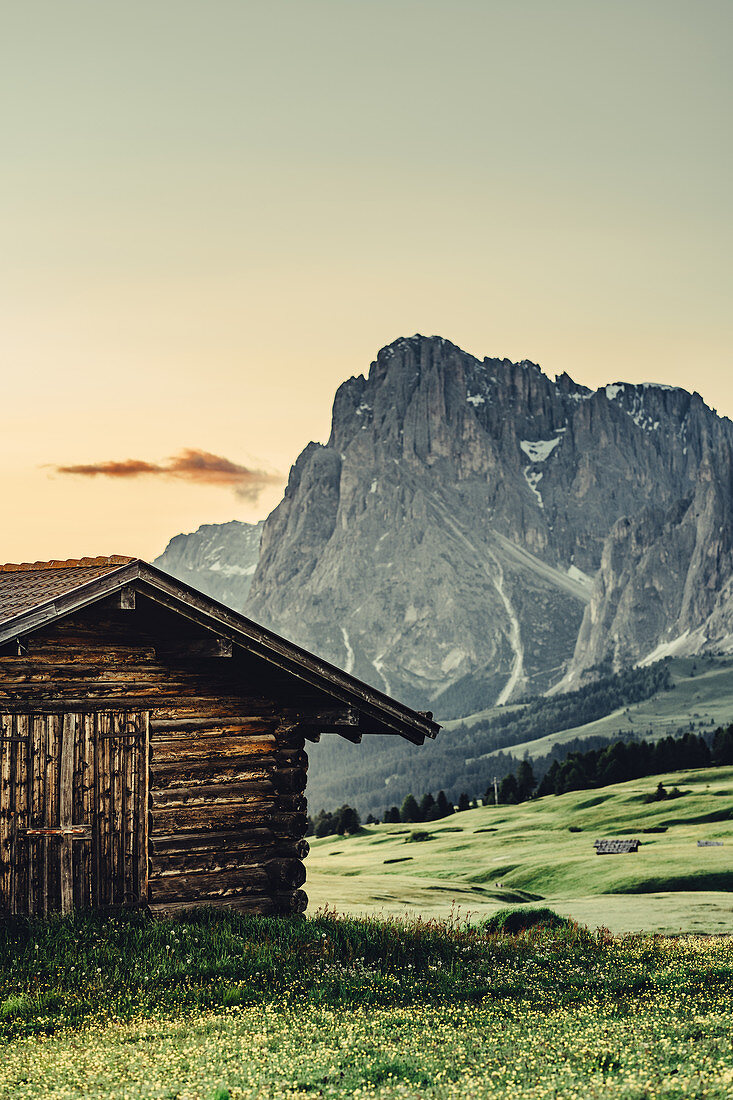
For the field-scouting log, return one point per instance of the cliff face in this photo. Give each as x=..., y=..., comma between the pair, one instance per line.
x=665, y=584
x=219, y=558
x=442, y=544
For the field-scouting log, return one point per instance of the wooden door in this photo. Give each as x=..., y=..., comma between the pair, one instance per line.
x=73, y=811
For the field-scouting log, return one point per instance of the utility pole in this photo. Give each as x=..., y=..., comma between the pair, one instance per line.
x=496, y=793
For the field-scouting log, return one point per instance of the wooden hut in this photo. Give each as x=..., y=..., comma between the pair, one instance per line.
x=152, y=743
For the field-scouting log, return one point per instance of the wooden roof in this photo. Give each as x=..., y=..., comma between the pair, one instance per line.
x=35, y=594
x=23, y=587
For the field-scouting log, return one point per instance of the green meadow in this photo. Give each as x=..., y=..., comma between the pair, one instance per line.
x=438, y=970
x=482, y=860
x=221, y=1007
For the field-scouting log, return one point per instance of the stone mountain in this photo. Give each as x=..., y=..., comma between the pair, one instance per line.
x=219, y=558
x=444, y=543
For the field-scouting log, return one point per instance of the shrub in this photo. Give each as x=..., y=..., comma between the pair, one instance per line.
x=511, y=921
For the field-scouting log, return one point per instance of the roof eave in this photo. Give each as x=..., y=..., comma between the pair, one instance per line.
x=212, y=615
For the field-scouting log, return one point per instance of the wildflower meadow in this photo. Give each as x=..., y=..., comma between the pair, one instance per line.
x=218, y=1006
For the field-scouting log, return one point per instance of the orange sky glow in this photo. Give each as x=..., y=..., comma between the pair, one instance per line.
x=214, y=214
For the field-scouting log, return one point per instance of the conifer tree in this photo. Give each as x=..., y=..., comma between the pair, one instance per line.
x=508, y=790
x=526, y=781
x=427, y=805
x=444, y=807
x=410, y=810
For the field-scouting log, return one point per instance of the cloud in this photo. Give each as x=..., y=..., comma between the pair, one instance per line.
x=201, y=467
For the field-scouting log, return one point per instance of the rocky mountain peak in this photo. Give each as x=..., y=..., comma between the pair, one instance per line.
x=442, y=544
x=474, y=530
x=219, y=558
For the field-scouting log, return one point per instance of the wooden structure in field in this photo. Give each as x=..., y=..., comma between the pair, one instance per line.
x=615, y=847
x=152, y=743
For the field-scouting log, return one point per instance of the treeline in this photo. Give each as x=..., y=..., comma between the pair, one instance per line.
x=586, y=769
x=467, y=758
x=427, y=809
x=617, y=763
x=346, y=820
x=343, y=821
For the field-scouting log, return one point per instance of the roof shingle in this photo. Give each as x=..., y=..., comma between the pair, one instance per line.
x=30, y=584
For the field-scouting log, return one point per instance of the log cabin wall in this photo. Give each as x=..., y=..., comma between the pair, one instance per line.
x=227, y=763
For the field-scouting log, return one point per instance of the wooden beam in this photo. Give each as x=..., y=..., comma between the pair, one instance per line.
x=66, y=778
x=343, y=731
x=126, y=599
x=343, y=716
x=221, y=721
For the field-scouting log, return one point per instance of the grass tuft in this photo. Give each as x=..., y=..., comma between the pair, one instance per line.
x=16, y=1007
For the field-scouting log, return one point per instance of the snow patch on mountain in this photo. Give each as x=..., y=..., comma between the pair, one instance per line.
x=533, y=478
x=538, y=450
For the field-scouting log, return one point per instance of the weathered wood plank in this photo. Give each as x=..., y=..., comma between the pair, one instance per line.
x=47, y=791
x=205, y=885
x=254, y=723
x=285, y=873
x=262, y=905
x=37, y=729
x=86, y=852
x=77, y=815
x=213, y=794
x=284, y=862
x=104, y=812
x=117, y=824
x=7, y=731
x=20, y=854
x=95, y=805
x=198, y=818
x=163, y=706
x=85, y=654
x=142, y=839
x=289, y=825
x=219, y=858
x=180, y=772
x=130, y=750
x=291, y=901
x=193, y=774
x=162, y=844
x=66, y=793
x=213, y=749
x=214, y=780
x=292, y=803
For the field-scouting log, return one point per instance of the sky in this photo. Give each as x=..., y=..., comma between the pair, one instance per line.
x=214, y=211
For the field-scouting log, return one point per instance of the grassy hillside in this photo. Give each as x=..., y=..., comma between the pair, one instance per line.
x=702, y=697
x=483, y=859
